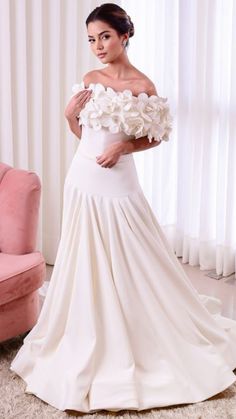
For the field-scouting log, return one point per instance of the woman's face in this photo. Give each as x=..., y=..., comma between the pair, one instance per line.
x=105, y=42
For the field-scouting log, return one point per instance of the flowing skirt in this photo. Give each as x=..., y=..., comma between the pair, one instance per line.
x=121, y=326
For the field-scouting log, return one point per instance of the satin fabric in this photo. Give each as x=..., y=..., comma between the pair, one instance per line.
x=121, y=326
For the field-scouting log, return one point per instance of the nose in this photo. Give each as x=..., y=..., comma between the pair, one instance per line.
x=99, y=45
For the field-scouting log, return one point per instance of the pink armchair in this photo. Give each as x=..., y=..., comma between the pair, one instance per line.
x=22, y=268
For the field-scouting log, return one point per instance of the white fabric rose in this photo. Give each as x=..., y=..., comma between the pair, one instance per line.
x=121, y=111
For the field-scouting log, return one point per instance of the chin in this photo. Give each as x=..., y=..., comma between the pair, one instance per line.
x=109, y=59
x=102, y=60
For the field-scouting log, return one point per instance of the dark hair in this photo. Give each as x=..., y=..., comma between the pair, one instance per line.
x=113, y=15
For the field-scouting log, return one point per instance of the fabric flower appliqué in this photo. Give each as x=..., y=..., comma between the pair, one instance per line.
x=139, y=116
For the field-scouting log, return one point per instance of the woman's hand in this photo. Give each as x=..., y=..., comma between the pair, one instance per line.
x=76, y=104
x=111, y=154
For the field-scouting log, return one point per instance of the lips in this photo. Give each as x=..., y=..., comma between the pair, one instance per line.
x=102, y=55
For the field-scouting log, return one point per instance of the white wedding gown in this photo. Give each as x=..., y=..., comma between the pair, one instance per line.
x=121, y=326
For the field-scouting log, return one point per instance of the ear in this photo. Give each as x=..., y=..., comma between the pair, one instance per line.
x=125, y=37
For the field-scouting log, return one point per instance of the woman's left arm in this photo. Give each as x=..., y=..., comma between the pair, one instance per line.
x=137, y=144
x=113, y=152
x=142, y=143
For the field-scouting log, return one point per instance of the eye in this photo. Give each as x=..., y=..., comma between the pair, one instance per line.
x=106, y=36
x=91, y=40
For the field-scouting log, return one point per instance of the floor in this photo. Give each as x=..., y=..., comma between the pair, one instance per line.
x=223, y=288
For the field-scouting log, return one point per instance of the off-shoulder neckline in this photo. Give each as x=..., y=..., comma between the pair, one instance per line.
x=118, y=91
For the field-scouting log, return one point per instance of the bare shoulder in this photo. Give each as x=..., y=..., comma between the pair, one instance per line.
x=148, y=86
x=143, y=83
x=91, y=77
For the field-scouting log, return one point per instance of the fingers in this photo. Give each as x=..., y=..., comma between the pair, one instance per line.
x=76, y=104
x=82, y=98
x=83, y=94
x=100, y=160
x=104, y=163
x=83, y=101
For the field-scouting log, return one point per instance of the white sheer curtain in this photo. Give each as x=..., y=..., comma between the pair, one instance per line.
x=187, y=47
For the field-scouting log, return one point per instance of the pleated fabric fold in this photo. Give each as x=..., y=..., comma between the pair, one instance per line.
x=121, y=326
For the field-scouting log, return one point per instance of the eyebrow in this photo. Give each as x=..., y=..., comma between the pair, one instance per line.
x=90, y=36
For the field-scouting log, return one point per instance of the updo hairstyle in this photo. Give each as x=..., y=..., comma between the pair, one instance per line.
x=115, y=17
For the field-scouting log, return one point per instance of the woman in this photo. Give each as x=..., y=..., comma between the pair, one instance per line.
x=121, y=326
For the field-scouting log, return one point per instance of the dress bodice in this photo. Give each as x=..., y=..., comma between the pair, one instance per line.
x=93, y=143
x=122, y=112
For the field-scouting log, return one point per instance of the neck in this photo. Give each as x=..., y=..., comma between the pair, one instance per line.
x=118, y=68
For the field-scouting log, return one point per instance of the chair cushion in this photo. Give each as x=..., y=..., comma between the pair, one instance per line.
x=19, y=206
x=3, y=169
x=20, y=275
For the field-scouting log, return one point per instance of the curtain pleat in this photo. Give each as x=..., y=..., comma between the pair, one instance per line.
x=188, y=48
x=6, y=111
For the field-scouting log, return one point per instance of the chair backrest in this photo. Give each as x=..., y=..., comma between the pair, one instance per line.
x=20, y=192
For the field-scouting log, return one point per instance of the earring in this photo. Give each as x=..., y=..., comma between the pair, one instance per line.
x=124, y=43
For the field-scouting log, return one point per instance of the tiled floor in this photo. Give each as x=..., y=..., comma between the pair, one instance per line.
x=223, y=288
